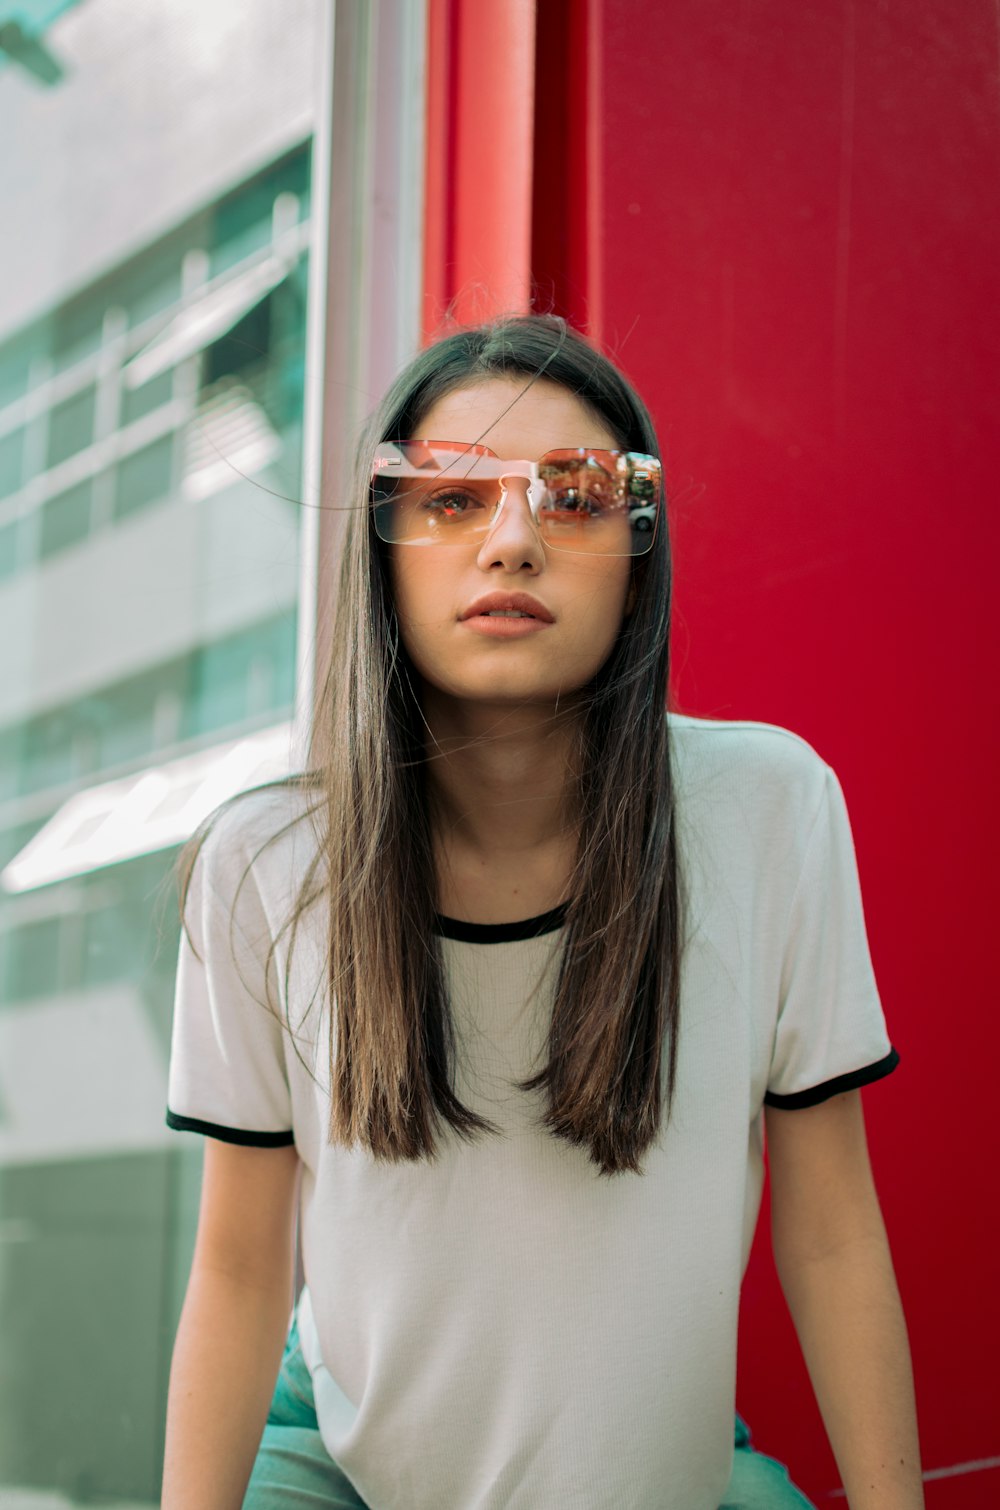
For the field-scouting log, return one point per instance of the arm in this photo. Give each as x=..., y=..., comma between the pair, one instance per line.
x=833, y=1260
x=233, y=1325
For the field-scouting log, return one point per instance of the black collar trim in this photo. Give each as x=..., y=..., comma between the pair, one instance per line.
x=501, y=933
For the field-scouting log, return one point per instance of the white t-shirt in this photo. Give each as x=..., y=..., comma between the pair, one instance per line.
x=506, y=1328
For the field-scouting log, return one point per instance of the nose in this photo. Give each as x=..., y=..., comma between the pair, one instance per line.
x=514, y=540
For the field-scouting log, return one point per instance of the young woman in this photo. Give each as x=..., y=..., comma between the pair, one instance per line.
x=501, y=995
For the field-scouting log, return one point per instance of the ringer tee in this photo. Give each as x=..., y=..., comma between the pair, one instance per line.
x=506, y=1328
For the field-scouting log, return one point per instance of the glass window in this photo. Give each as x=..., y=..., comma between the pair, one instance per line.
x=241, y=223
x=10, y=759
x=151, y=284
x=243, y=348
x=15, y=365
x=137, y=402
x=241, y=676
x=48, y=751
x=126, y=722
x=65, y=519
x=71, y=426
x=10, y=534
x=112, y=944
x=33, y=960
x=11, y=462
x=77, y=328
x=144, y=477
x=221, y=684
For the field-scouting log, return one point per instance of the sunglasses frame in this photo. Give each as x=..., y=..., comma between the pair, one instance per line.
x=626, y=466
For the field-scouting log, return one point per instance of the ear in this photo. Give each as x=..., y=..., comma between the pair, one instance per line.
x=630, y=601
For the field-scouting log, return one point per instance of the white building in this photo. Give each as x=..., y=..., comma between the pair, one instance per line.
x=155, y=248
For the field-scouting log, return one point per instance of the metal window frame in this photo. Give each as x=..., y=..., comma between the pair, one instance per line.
x=366, y=281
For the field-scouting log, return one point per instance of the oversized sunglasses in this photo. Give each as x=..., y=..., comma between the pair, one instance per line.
x=441, y=492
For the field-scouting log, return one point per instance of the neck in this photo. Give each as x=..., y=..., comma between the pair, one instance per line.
x=501, y=780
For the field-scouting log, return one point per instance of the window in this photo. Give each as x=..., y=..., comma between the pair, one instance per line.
x=152, y=283
x=10, y=534
x=77, y=329
x=11, y=462
x=144, y=477
x=242, y=222
x=112, y=944
x=241, y=676
x=15, y=366
x=33, y=960
x=71, y=426
x=138, y=402
x=48, y=752
x=65, y=519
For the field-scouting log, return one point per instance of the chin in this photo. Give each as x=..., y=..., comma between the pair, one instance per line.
x=508, y=689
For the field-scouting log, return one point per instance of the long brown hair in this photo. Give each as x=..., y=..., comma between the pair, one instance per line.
x=617, y=997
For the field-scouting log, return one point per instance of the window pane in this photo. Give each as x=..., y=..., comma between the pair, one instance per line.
x=137, y=402
x=48, y=751
x=151, y=284
x=10, y=534
x=112, y=945
x=71, y=426
x=144, y=477
x=11, y=462
x=221, y=684
x=76, y=329
x=242, y=222
x=65, y=519
x=15, y=365
x=10, y=760
x=242, y=225
x=33, y=960
x=127, y=725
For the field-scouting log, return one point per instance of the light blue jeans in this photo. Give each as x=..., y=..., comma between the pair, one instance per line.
x=294, y=1471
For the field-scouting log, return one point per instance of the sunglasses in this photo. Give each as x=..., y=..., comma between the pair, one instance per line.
x=441, y=492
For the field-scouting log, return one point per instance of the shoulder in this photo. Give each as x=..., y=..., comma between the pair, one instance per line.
x=760, y=766
x=260, y=838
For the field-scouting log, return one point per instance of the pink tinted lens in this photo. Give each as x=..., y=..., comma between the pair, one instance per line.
x=596, y=502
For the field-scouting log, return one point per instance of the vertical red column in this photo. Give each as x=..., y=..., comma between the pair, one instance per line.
x=480, y=133
x=567, y=224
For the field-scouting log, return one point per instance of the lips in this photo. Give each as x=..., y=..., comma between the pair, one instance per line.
x=509, y=601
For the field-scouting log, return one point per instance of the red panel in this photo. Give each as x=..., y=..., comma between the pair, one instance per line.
x=566, y=218
x=480, y=125
x=800, y=235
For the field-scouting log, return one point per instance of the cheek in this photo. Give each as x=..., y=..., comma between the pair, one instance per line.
x=607, y=588
x=418, y=592
x=403, y=582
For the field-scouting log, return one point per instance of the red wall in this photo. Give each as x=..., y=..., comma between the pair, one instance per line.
x=801, y=271
x=782, y=220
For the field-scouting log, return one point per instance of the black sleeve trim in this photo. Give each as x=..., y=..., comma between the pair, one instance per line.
x=229, y=1134
x=849, y=1082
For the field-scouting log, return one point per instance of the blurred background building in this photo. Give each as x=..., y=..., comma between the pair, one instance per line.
x=155, y=241
x=223, y=228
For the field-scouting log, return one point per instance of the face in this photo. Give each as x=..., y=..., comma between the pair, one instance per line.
x=434, y=586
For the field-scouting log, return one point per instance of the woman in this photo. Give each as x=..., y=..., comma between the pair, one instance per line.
x=575, y=944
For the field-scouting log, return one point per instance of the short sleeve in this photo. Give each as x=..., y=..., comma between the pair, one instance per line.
x=831, y=1032
x=227, y=1076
